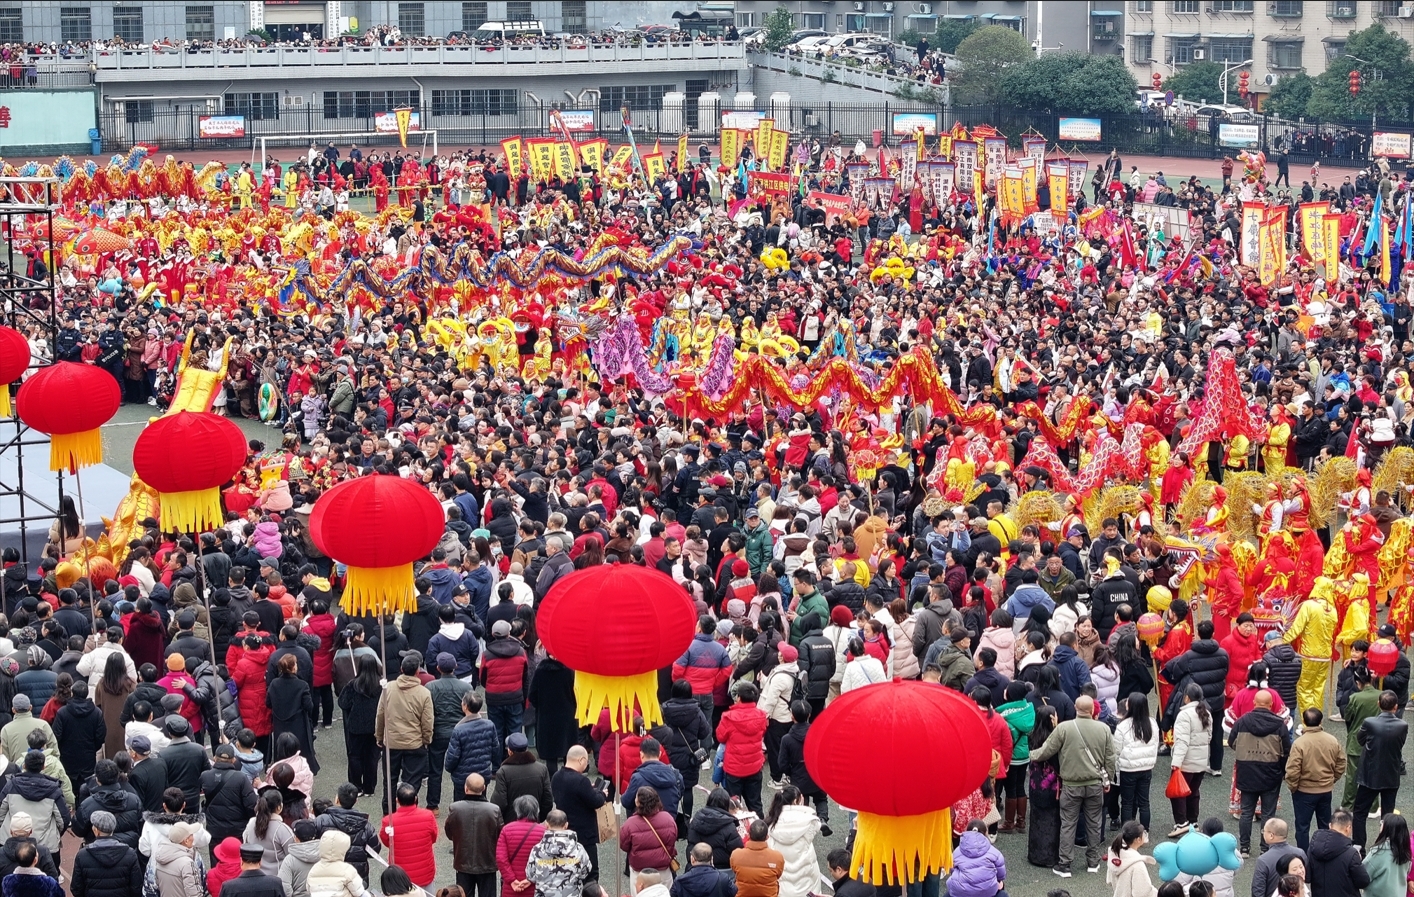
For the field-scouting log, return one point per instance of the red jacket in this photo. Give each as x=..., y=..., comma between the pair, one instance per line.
x=414, y=833
x=144, y=638
x=1242, y=652
x=249, y=675
x=323, y=626
x=704, y=664
x=742, y=729
x=513, y=847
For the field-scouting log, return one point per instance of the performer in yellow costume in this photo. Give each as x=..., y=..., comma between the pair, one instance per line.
x=1312, y=634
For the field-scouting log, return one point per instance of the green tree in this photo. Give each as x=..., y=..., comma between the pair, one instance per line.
x=1290, y=96
x=1071, y=83
x=952, y=32
x=1388, y=79
x=984, y=58
x=1200, y=82
x=779, y=27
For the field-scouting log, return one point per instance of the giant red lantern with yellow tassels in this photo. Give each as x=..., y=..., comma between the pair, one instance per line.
x=14, y=361
x=186, y=458
x=905, y=824
x=377, y=525
x=616, y=626
x=70, y=402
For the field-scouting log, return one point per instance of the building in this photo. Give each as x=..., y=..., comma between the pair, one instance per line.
x=1281, y=37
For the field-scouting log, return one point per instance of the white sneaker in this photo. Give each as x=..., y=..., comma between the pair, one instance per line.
x=152, y=400
x=1180, y=830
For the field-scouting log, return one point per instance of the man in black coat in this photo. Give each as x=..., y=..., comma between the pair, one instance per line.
x=1335, y=869
x=227, y=797
x=147, y=690
x=252, y=882
x=149, y=774
x=187, y=643
x=362, y=834
x=840, y=863
x=792, y=762
x=112, y=798
x=185, y=761
x=817, y=661
x=521, y=774
x=473, y=825
x=107, y=867
x=422, y=623
x=652, y=771
x=305, y=670
x=80, y=731
x=1204, y=664
x=1382, y=739
x=575, y=795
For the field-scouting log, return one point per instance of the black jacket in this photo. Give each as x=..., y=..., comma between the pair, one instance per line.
x=689, y=731
x=718, y=829
x=817, y=660
x=228, y=799
x=1382, y=737
x=125, y=806
x=851, y=887
x=851, y=595
x=253, y=883
x=8, y=860
x=1204, y=664
x=150, y=692
x=1283, y=671
x=1335, y=869
x=186, y=761
x=574, y=794
x=304, y=668
x=1106, y=597
x=361, y=832
x=522, y=774
x=792, y=760
x=420, y=625
x=107, y=868
x=703, y=881
x=149, y=779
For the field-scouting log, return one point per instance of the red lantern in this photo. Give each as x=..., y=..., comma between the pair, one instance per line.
x=1382, y=657
x=14, y=361
x=377, y=525
x=186, y=458
x=1157, y=80
x=1354, y=83
x=616, y=626
x=905, y=824
x=1151, y=629
x=70, y=402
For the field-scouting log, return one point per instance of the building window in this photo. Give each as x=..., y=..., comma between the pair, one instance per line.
x=1334, y=49
x=1237, y=6
x=1015, y=23
x=1181, y=49
x=810, y=20
x=1143, y=49
x=1287, y=9
x=1186, y=7
x=367, y=103
x=519, y=11
x=611, y=99
x=474, y=15
x=75, y=23
x=254, y=106
x=854, y=22
x=412, y=19
x=1230, y=49
x=12, y=26
x=1284, y=55
x=1341, y=9
x=746, y=20
x=135, y=112
x=127, y=24
x=201, y=23
x=1387, y=9
x=1144, y=6
x=475, y=102
x=574, y=17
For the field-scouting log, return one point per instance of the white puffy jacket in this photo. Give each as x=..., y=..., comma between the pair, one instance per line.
x=794, y=836
x=1135, y=755
x=331, y=876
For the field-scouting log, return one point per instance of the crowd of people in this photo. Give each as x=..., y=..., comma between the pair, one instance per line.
x=828, y=546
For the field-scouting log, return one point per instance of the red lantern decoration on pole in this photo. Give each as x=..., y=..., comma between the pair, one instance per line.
x=616, y=626
x=14, y=361
x=905, y=822
x=1382, y=657
x=70, y=402
x=186, y=458
x=377, y=525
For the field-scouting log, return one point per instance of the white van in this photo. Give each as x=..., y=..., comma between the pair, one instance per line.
x=501, y=30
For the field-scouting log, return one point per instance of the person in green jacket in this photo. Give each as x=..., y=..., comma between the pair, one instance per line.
x=758, y=542
x=1389, y=859
x=1020, y=716
x=1364, y=704
x=808, y=599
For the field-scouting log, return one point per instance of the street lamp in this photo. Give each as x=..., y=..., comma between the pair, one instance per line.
x=1228, y=68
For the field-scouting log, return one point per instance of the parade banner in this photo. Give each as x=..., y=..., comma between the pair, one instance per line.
x=1272, y=249
x=564, y=160
x=1028, y=184
x=542, y=157
x=775, y=183
x=591, y=153
x=1058, y=178
x=622, y=155
x=514, y=149
x=780, y=148
x=945, y=147
x=731, y=147
x=881, y=192
x=857, y=172
x=1250, y=240
x=834, y=205
x=944, y=174
x=1011, y=196
x=1078, y=168
x=1391, y=146
x=1035, y=148
x=908, y=163
x=654, y=167
x=1330, y=228
x=1309, y=215
x=682, y=151
x=763, y=140
x=995, y=148
x=965, y=156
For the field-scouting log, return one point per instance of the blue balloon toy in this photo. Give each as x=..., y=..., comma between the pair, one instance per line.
x=1196, y=854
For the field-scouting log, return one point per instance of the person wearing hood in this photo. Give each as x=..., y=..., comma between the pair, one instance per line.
x=266, y=539
x=502, y=523
x=1125, y=867
x=792, y=827
x=305, y=852
x=506, y=672
x=81, y=732
x=652, y=771
x=448, y=692
x=38, y=682
x=816, y=660
x=1335, y=869
x=110, y=797
x=421, y=622
x=249, y=676
x=453, y=637
x=691, y=731
x=933, y=620
x=228, y=798
x=1028, y=596
x=784, y=685
x=185, y=600
x=175, y=862
x=32, y=793
x=452, y=548
x=157, y=826
x=331, y=875
x=440, y=577
x=1110, y=592
x=558, y=865
x=26, y=879
x=1074, y=674
x=21, y=832
x=979, y=869
x=107, y=866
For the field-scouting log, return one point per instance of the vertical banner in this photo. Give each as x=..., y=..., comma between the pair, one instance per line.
x=965, y=157
x=403, y=117
x=1250, y=242
x=995, y=160
x=682, y=151
x=944, y=176
x=591, y=153
x=653, y=167
x=1078, y=168
x=542, y=157
x=780, y=148
x=1035, y=148
x=1012, y=196
x=1058, y=176
x=924, y=173
x=1028, y=185
x=622, y=155
x=731, y=147
x=945, y=147
x=514, y=148
x=857, y=172
x=1272, y=245
x=1312, y=235
x=908, y=164
x=763, y=140
x=564, y=160
x=1330, y=227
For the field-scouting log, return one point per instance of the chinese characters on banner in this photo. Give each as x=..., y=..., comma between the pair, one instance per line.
x=731, y=146
x=1250, y=246
x=763, y=140
x=965, y=156
x=1058, y=174
x=944, y=174
x=908, y=163
x=995, y=159
x=1312, y=234
x=514, y=148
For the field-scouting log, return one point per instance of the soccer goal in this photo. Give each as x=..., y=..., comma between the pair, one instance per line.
x=363, y=138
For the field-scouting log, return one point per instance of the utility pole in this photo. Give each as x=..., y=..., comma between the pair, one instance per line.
x=1229, y=68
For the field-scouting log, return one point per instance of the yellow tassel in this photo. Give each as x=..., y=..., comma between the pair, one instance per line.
x=378, y=590
x=620, y=694
x=902, y=849
x=71, y=451
x=191, y=512
x=5, y=401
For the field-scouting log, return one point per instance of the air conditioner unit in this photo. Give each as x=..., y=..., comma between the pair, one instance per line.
x=1344, y=12
x=888, y=7
x=213, y=105
x=1269, y=80
x=1200, y=55
x=294, y=99
x=1406, y=12
x=859, y=7
x=925, y=9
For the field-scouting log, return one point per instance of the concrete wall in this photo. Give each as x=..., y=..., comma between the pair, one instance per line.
x=46, y=121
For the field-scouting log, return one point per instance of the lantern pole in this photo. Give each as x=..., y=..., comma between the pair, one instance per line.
x=87, y=554
x=210, y=631
x=388, y=788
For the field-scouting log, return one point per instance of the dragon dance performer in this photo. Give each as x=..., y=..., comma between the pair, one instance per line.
x=1177, y=640
x=1312, y=634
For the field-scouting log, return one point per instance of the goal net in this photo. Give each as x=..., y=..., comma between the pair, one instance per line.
x=302, y=142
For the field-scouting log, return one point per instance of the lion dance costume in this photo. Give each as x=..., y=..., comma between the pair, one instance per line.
x=1312, y=634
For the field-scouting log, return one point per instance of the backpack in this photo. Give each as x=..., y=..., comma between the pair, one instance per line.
x=797, y=689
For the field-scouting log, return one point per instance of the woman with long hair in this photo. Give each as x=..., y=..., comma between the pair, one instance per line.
x=1389, y=859
x=792, y=826
x=592, y=556
x=110, y=695
x=66, y=534
x=359, y=702
x=63, y=693
x=1192, y=734
x=1043, y=785
x=1020, y=716
x=350, y=645
x=1137, y=750
x=269, y=831
x=1069, y=610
